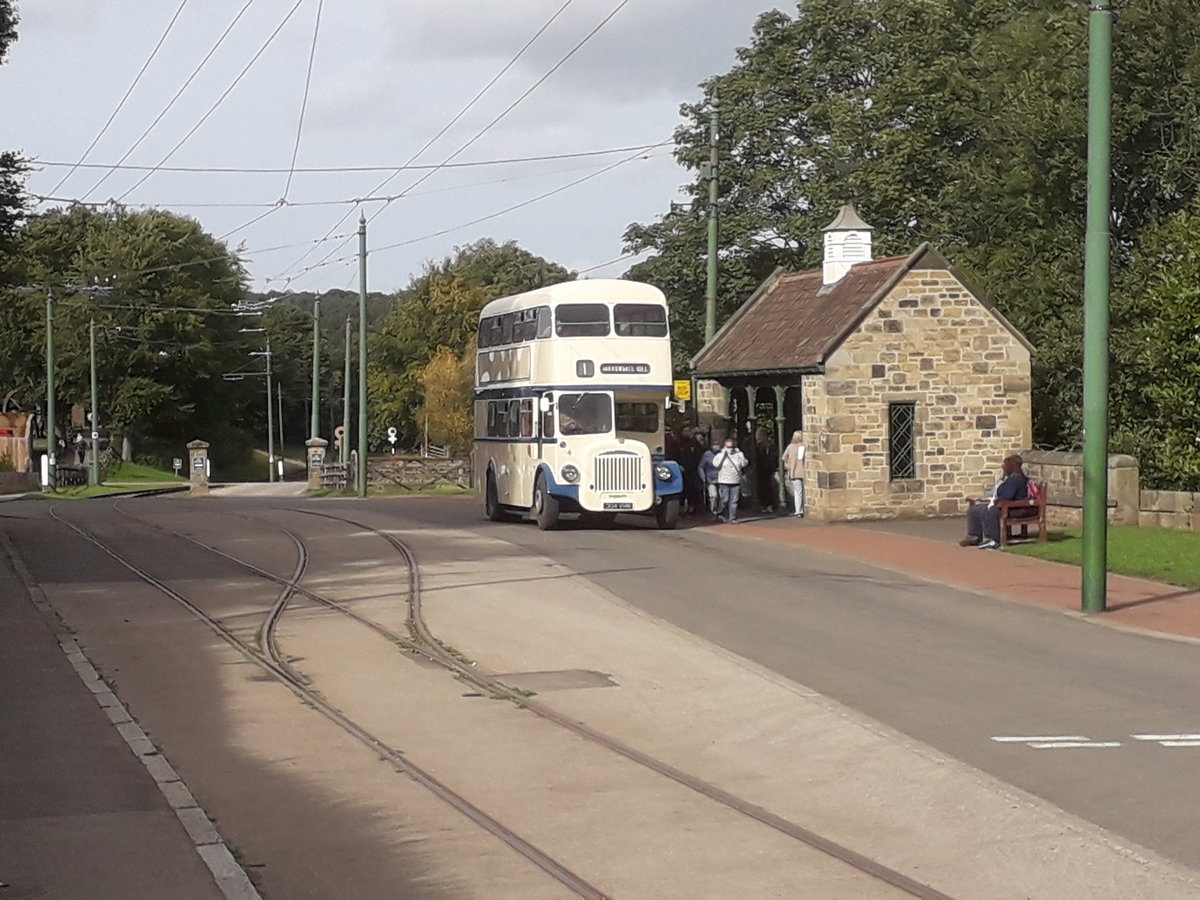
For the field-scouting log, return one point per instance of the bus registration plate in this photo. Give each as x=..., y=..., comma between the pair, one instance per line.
x=618, y=506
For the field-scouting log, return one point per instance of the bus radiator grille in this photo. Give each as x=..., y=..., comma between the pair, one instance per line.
x=618, y=472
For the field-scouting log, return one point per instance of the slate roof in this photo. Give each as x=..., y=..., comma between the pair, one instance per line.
x=793, y=322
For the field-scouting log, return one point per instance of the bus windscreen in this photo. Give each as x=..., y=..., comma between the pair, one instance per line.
x=585, y=414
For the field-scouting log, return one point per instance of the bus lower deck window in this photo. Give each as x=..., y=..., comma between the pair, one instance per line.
x=640, y=417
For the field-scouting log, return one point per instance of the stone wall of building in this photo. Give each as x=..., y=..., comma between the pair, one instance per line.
x=932, y=343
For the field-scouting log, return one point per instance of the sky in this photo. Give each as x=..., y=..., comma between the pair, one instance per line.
x=387, y=76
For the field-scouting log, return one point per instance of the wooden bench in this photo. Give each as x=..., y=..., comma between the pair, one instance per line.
x=1022, y=514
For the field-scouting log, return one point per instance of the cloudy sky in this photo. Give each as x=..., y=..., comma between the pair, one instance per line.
x=387, y=76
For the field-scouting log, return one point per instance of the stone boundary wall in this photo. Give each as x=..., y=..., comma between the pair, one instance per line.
x=1128, y=503
x=1170, y=509
x=418, y=473
x=18, y=482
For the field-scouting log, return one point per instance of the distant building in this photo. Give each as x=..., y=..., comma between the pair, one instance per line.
x=909, y=387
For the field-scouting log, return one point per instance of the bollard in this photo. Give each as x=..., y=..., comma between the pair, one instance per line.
x=316, y=461
x=198, y=467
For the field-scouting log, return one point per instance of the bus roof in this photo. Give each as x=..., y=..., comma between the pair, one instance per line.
x=592, y=290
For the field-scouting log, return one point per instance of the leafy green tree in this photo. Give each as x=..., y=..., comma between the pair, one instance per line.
x=1157, y=340
x=960, y=122
x=166, y=328
x=440, y=309
x=12, y=168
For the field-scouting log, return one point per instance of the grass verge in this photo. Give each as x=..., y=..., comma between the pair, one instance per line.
x=1162, y=554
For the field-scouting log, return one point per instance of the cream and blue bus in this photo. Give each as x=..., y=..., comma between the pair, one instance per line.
x=571, y=385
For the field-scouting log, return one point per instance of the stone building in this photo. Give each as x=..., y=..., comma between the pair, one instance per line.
x=909, y=387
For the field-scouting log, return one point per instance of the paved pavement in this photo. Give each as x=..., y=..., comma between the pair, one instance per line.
x=80, y=817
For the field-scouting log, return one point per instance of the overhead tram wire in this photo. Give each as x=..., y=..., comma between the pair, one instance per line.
x=171, y=103
x=338, y=170
x=477, y=221
x=312, y=55
x=212, y=109
x=121, y=105
x=470, y=104
x=488, y=127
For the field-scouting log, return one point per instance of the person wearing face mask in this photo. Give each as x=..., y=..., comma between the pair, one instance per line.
x=730, y=463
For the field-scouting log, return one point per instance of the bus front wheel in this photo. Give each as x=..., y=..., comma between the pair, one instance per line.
x=667, y=513
x=545, y=506
x=491, y=502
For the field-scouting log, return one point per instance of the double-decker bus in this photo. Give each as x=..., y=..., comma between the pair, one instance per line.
x=571, y=384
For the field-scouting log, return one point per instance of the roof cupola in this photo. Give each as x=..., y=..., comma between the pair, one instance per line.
x=847, y=241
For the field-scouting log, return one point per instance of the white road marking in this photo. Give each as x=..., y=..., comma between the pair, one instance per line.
x=1166, y=737
x=1180, y=743
x=1070, y=745
x=1007, y=739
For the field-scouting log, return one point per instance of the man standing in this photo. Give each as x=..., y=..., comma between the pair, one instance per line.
x=708, y=474
x=730, y=463
x=793, y=464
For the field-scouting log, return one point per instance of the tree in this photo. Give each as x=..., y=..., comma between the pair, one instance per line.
x=165, y=333
x=447, y=385
x=1157, y=338
x=440, y=309
x=12, y=167
x=960, y=122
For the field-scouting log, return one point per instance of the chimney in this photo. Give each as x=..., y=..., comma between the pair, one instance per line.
x=847, y=241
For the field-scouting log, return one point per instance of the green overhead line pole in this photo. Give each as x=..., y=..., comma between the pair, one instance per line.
x=270, y=418
x=362, y=356
x=51, y=433
x=1096, y=311
x=94, y=432
x=344, y=449
x=315, y=425
x=710, y=290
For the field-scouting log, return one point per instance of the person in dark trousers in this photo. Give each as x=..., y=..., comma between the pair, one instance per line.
x=708, y=474
x=983, y=518
x=766, y=460
x=688, y=454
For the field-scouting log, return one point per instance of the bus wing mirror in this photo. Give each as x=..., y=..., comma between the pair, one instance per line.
x=544, y=403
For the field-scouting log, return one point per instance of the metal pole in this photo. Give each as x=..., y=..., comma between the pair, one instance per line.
x=345, y=448
x=1096, y=312
x=94, y=433
x=279, y=404
x=362, y=356
x=316, y=376
x=270, y=420
x=51, y=432
x=710, y=290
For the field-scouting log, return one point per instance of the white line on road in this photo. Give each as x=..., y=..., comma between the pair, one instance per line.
x=1070, y=745
x=1166, y=737
x=1008, y=739
x=1180, y=743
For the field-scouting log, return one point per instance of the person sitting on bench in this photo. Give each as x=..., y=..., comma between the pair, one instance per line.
x=983, y=519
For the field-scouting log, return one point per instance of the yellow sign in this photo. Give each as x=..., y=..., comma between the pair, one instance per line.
x=683, y=390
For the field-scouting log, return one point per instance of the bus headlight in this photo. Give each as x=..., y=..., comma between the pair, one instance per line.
x=662, y=473
x=570, y=474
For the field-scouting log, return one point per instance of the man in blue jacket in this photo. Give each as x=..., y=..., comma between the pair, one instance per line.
x=983, y=519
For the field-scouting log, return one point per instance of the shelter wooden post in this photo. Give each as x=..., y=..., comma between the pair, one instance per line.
x=780, y=396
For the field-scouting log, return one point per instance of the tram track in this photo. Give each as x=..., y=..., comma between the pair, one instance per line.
x=423, y=641
x=266, y=658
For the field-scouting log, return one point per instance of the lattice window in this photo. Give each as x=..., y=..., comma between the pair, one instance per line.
x=902, y=444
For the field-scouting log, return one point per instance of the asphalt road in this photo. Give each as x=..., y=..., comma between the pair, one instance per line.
x=949, y=668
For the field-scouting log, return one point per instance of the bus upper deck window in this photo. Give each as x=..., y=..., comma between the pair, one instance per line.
x=585, y=414
x=543, y=322
x=581, y=320
x=640, y=320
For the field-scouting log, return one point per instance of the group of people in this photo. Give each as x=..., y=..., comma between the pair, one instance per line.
x=713, y=472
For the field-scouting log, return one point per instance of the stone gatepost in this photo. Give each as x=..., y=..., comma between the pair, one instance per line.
x=316, y=461
x=198, y=466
